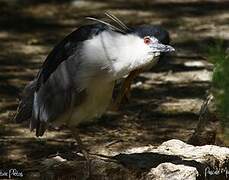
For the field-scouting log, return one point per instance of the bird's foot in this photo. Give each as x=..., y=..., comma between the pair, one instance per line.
x=88, y=162
x=84, y=152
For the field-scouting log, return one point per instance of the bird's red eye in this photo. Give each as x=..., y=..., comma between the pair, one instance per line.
x=147, y=40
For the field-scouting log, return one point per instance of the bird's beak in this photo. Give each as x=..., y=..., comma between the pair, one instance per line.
x=158, y=47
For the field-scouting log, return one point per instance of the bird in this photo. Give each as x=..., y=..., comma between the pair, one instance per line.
x=75, y=83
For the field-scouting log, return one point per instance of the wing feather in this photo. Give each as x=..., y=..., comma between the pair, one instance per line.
x=65, y=49
x=54, y=98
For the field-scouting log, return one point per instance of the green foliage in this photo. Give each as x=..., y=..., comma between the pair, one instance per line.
x=218, y=55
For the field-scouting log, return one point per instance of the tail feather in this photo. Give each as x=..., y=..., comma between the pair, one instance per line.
x=25, y=107
x=40, y=128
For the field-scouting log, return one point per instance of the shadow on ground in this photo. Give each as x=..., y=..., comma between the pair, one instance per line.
x=164, y=102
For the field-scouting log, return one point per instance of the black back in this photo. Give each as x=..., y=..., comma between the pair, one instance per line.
x=66, y=48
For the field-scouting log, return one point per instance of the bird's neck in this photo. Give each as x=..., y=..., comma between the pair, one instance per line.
x=125, y=52
x=119, y=53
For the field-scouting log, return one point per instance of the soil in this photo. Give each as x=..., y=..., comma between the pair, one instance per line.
x=164, y=102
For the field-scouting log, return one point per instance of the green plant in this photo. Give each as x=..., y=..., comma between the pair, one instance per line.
x=218, y=55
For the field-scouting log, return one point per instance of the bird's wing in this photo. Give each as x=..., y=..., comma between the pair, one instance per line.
x=65, y=49
x=51, y=92
x=56, y=97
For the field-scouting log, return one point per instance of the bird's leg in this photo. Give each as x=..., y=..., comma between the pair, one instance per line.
x=125, y=89
x=77, y=138
x=82, y=149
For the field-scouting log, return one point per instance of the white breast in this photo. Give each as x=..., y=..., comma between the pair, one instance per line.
x=99, y=95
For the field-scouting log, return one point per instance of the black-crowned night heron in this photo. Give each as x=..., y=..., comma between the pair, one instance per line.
x=76, y=81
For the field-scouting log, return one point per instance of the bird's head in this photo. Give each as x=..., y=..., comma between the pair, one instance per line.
x=155, y=47
x=154, y=40
x=129, y=48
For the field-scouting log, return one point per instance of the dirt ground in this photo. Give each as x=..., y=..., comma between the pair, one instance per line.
x=164, y=102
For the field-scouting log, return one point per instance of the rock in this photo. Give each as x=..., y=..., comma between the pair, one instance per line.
x=171, y=160
x=171, y=171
